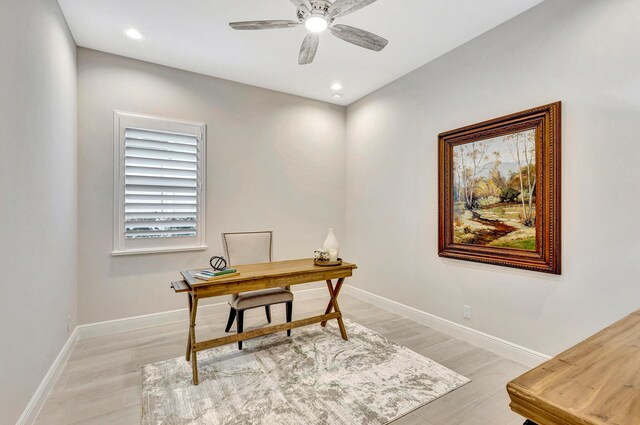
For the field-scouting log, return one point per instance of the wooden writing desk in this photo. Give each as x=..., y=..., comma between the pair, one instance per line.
x=596, y=382
x=261, y=276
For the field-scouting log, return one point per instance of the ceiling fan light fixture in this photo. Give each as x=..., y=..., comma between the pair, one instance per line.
x=316, y=23
x=318, y=16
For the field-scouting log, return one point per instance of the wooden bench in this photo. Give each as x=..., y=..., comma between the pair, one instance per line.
x=596, y=382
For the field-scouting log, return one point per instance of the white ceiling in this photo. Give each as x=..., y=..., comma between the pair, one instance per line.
x=194, y=35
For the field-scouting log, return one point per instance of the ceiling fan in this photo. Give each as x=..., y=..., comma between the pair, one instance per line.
x=317, y=16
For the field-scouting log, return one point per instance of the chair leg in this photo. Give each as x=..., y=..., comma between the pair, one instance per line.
x=239, y=324
x=267, y=309
x=289, y=314
x=232, y=317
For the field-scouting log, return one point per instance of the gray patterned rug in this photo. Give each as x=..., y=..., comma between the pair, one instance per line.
x=312, y=378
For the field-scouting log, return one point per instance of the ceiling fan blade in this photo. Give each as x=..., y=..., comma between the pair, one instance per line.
x=359, y=37
x=263, y=25
x=303, y=5
x=345, y=7
x=308, y=49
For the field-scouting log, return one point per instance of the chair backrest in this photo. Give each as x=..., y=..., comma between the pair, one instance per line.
x=247, y=247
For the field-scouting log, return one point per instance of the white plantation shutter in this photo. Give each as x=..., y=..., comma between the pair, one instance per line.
x=161, y=181
x=160, y=196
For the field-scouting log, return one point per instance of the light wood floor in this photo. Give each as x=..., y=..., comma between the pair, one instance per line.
x=101, y=382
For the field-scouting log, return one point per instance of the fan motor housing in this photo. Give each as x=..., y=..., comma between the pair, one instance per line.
x=318, y=7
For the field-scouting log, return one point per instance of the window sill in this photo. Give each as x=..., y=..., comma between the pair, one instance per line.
x=157, y=250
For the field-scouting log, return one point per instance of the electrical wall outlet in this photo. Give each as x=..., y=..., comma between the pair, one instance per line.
x=466, y=312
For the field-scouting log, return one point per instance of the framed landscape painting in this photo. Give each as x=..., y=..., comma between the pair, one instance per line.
x=499, y=191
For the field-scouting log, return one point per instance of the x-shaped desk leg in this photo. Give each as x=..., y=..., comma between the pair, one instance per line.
x=188, y=355
x=191, y=354
x=333, y=305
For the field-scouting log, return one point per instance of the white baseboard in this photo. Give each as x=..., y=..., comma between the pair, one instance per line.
x=497, y=345
x=30, y=412
x=156, y=319
x=140, y=322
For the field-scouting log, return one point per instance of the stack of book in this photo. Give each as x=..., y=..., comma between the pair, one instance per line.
x=213, y=274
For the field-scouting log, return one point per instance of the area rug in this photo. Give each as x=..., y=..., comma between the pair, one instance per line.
x=314, y=377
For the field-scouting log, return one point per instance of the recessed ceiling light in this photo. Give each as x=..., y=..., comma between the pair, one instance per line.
x=134, y=34
x=316, y=23
x=336, y=86
x=337, y=96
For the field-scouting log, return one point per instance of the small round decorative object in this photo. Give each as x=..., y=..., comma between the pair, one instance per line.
x=328, y=263
x=321, y=254
x=218, y=263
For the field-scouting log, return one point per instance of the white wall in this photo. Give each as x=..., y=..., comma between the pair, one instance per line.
x=584, y=53
x=38, y=204
x=275, y=161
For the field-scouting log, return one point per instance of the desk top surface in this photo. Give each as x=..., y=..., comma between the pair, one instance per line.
x=265, y=270
x=596, y=382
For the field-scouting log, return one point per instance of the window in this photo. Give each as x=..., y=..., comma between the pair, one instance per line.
x=159, y=185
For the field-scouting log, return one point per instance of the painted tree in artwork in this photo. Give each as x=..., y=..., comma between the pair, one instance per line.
x=491, y=186
x=522, y=147
x=457, y=175
x=470, y=161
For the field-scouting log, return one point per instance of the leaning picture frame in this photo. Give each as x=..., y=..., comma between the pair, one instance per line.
x=499, y=191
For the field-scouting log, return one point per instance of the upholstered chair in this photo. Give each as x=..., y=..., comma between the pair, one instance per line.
x=253, y=248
